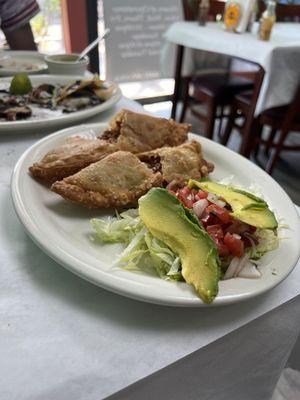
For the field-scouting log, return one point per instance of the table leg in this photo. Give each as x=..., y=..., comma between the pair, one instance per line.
x=179, y=58
x=247, y=138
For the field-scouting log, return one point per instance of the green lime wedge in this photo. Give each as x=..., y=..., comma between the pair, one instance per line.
x=20, y=84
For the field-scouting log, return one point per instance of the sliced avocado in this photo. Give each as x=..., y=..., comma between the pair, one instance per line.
x=245, y=206
x=168, y=220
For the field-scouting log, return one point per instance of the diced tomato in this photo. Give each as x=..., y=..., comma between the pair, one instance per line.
x=222, y=249
x=217, y=234
x=238, y=227
x=215, y=231
x=202, y=194
x=186, y=197
x=188, y=203
x=234, y=244
x=185, y=191
x=220, y=212
x=209, y=219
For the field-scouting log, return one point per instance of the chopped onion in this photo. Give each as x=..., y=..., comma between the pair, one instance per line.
x=232, y=268
x=250, y=271
x=253, y=245
x=236, y=266
x=214, y=199
x=243, y=262
x=199, y=207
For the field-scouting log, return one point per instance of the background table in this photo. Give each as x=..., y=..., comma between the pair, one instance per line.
x=63, y=338
x=280, y=57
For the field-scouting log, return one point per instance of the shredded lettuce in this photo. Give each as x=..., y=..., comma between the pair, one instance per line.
x=118, y=230
x=267, y=240
x=143, y=252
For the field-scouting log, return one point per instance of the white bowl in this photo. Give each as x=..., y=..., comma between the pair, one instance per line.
x=66, y=64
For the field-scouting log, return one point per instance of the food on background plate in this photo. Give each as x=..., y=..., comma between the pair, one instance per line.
x=16, y=65
x=127, y=131
x=116, y=180
x=77, y=95
x=20, y=84
x=84, y=88
x=194, y=235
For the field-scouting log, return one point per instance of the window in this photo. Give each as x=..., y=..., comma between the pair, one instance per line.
x=47, y=27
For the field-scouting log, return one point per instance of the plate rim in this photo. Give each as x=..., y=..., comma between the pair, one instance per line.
x=60, y=257
x=6, y=72
x=7, y=127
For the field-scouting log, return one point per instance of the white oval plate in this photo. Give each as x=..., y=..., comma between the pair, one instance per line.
x=63, y=230
x=14, y=62
x=48, y=119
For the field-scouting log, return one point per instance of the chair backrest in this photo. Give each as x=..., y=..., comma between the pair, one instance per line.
x=190, y=9
x=293, y=110
x=284, y=12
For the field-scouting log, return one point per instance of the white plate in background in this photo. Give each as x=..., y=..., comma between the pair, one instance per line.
x=15, y=62
x=44, y=119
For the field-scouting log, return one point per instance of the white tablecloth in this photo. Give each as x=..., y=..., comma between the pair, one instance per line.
x=280, y=57
x=63, y=338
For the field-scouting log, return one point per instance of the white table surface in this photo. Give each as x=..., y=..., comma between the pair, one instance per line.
x=63, y=338
x=280, y=57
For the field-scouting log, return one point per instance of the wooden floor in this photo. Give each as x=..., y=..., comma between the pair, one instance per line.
x=287, y=170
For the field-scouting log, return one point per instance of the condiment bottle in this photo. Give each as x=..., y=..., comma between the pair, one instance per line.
x=267, y=21
x=232, y=15
x=203, y=10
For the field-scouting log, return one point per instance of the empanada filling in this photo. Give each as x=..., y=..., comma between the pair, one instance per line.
x=153, y=162
x=110, y=135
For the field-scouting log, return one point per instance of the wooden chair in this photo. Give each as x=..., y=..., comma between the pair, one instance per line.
x=215, y=90
x=284, y=119
x=244, y=104
x=190, y=9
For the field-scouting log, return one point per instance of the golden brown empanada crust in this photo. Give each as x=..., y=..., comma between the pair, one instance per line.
x=76, y=153
x=129, y=131
x=141, y=132
x=179, y=163
x=118, y=180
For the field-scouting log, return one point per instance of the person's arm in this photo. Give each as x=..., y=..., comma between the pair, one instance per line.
x=15, y=16
x=20, y=38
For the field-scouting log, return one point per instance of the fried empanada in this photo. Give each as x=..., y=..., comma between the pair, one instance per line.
x=118, y=180
x=140, y=132
x=128, y=131
x=76, y=153
x=178, y=164
x=121, y=178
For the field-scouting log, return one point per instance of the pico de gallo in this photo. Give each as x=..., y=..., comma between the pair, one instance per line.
x=231, y=236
